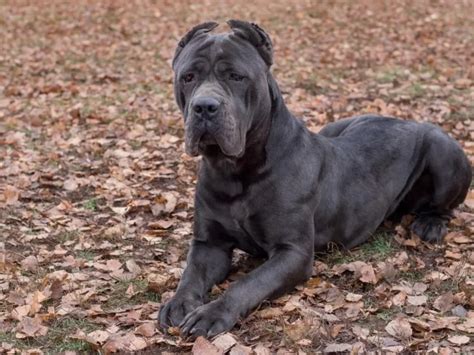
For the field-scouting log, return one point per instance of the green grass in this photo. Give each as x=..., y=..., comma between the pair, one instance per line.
x=389, y=75
x=412, y=275
x=57, y=339
x=118, y=297
x=378, y=247
x=385, y=314
x=85, y=254
x=91, y=204
x=67, y=236
x=416, y=90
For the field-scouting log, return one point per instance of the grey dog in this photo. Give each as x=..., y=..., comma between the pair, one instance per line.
x=272, y=188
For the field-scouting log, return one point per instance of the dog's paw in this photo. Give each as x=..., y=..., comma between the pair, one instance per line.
x=430, y=228
x=209, y=320
x=173, y=312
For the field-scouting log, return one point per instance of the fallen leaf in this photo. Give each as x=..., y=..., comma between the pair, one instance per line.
x=30, y=263
x=70, y=184
x=417, y=300
x=399, y=299
x=126, y=343
x=334, y=348
x=224, y=342
x=399, y=328
x=202, y=346
x=11, y=195
x=261, y=350
x=444, y=302
x=270, y=313
x=97, y=337
x=133, y=267
x=353, y=297
x=240, y=349
x=459, y=339
x=30, y=327
x=157, y=283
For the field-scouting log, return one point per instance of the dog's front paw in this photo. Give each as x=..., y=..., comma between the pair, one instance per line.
x=209, y=320
x=173, y=312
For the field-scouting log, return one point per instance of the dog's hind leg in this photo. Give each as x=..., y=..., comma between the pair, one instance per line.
x=441, y=188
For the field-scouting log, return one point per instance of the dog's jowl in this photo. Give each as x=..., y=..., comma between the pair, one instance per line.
x=270, y=187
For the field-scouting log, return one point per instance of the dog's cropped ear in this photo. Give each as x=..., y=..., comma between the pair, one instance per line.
x=255, y=35
x=196, y=30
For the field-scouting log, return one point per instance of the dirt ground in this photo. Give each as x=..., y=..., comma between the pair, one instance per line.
x=96, y=193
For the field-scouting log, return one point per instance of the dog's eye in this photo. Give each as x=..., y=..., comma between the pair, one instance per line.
x=236, y=77
x=187, y=78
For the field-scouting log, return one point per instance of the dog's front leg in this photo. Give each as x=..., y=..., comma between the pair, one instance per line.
x=288, y=266
x=207, y=264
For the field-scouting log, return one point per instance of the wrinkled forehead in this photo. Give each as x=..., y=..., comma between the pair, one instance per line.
x=221, y=49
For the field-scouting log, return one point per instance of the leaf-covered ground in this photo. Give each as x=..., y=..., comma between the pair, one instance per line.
x=96, y=195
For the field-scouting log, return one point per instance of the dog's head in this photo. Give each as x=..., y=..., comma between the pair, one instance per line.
x=222, y=86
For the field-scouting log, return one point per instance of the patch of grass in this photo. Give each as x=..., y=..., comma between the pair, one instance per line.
x=67, y=236
x=91, y=204
x=379, y=247
x=152, y=296
x=338, y=257
x=412, y=275
x=416, y=90
x=385, y=314
x=118, y=297
x=311, y=85
x=389, y=75
x=85, y=254
x=57, y=339
x=9, y=338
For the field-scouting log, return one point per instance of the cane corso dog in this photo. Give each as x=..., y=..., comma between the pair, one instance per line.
x=271, y=188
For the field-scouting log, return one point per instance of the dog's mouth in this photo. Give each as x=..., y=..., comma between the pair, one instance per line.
x=208, y=145
x=207, y=140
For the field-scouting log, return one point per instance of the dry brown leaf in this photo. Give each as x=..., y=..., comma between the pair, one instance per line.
x=399, y=299
x=417, y=300
x=297, y=330
x=444, y=302
x=336, y=329
x=126, y=343
x=30, y=327
x=20, y=312
x=30, y=263
x=70, y=184
x=202, y=346
x=97, y=337
x=133, y=267
x=334, y=348
x=35, y=302
x=164, y=204
x=399, y=328
x=147, y=329
x=224, y=342
x=270, y=313
x=11, y=195
x=260, y=349
x=157, y=283
x=363, y=271
x=353, y=297
x=459, y=339
x=240, y=349
x=361, y=332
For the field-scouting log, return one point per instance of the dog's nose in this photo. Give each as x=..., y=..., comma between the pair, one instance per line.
x=206, y=107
